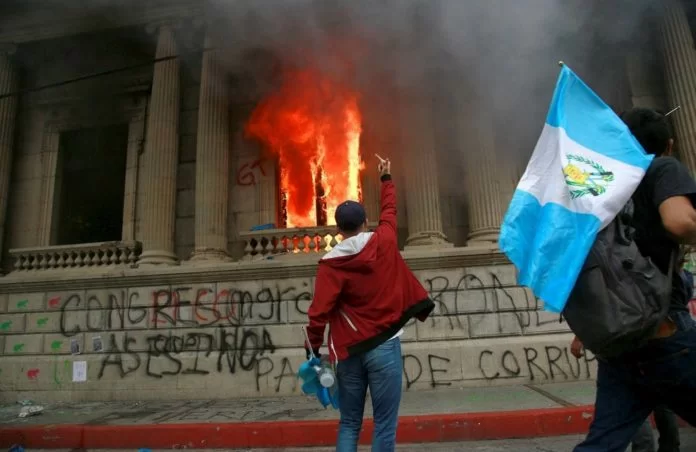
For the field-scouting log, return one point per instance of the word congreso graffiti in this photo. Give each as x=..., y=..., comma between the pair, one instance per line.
x=484, y=329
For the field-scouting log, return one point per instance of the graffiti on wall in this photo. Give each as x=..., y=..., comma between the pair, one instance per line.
x=251, y=330
x=247, y=173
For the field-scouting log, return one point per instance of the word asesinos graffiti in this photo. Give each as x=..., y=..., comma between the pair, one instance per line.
x=229, y=350
x=252, y=350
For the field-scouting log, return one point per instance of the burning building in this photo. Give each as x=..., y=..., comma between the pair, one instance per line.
x=164, y=169
x=312, y=127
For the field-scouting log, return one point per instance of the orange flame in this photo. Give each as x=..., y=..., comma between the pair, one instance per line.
x=313, y=124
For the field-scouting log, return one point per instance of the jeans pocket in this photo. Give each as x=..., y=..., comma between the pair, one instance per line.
x=671, y=369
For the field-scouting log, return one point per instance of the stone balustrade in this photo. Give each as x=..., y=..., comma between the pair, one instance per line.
x=101, y=254
x=269, y=242
x=266, y=243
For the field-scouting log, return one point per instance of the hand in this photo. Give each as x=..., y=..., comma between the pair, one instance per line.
x=576, y=347
x=384, y=166
x=309, y=355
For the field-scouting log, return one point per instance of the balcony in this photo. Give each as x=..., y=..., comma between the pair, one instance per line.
x=267, y=243
x=104, y=254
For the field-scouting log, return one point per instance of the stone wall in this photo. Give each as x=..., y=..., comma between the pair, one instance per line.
x=243, y=338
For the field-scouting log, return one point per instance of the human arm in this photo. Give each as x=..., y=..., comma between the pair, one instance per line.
x=679, y=218
x=673, y=192
x=387, y=216
x=326, y=291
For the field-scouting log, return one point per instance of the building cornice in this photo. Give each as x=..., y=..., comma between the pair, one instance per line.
x=200, y=273
x=33, y=27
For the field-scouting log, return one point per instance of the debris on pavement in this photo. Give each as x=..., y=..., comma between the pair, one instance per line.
x=30, y=410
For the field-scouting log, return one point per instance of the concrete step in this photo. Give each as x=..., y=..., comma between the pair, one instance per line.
x=425, y=416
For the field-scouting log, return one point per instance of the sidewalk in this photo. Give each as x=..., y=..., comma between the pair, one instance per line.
x=425, y=416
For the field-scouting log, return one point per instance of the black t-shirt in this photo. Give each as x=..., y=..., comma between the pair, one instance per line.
x=666, y=178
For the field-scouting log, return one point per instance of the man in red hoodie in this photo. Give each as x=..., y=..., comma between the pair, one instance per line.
x=366, y=293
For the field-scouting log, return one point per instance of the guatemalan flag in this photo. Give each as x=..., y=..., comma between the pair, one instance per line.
x=585, y=167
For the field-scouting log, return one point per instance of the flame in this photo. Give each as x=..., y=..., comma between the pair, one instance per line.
x=313, y=124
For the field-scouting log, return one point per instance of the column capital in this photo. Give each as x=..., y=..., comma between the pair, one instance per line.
x=174, y=23
x=204, y=22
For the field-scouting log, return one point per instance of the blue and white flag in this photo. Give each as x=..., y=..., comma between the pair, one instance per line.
x=585, y=167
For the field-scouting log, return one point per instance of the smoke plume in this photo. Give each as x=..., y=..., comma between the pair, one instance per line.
x=494, y=58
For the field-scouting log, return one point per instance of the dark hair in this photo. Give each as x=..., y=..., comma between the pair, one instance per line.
x=650, y=127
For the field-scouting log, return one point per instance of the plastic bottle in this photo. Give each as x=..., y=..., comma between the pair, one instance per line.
x=326, y=376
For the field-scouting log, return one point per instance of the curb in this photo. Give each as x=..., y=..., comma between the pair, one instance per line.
x=429, y=428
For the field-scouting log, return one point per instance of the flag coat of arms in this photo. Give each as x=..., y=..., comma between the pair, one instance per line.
x=584, y=169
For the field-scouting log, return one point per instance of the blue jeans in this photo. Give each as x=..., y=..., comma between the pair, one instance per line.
x=667, y=427
x=379, y=369
x=663, y=372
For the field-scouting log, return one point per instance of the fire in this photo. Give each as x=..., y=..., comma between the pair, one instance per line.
x=313, y=124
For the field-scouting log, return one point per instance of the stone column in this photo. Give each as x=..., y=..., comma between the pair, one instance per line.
x=212, y=161
x=420, y=167
x=160, y=159
x=8, y=112
x=481, y=178
x=680, y=75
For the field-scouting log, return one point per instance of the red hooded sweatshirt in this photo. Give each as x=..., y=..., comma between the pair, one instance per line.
x=364, y=290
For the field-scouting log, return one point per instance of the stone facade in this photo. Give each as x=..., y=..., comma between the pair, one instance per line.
x=222, y=316
x=227, y=337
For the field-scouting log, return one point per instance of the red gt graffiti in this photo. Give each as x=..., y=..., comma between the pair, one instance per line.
x=33, y=374
x=246, y=174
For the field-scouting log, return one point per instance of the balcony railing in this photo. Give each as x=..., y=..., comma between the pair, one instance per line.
x=271, y=242
x=103, y=254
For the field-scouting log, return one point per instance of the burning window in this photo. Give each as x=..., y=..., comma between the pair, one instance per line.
x=312, y=124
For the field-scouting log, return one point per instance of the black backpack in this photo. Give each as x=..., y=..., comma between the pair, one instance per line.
x=620, y=297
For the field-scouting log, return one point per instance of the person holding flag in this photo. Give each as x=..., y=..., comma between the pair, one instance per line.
x=596, y=188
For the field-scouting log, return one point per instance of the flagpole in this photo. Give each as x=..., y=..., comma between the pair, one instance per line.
x=673, y=110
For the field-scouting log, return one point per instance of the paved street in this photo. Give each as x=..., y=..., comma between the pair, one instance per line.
x=554, y=444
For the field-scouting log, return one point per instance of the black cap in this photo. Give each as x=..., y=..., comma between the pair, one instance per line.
x=350, y=215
